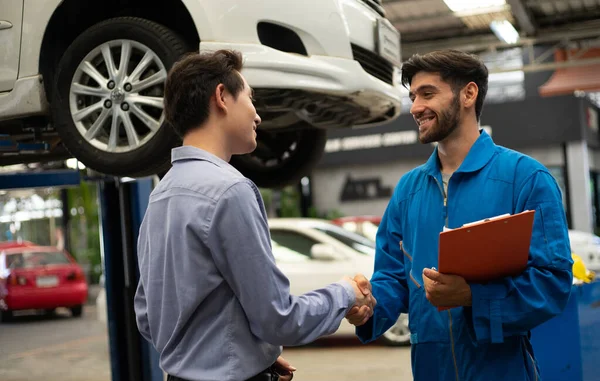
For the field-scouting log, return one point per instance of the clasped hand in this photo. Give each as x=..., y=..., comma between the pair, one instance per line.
x=443, y=290
x=365, y=303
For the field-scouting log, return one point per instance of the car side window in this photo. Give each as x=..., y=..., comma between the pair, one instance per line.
x=294, y=241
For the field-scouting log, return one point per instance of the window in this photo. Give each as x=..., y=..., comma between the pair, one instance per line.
x=286, y=255
x=293, y=240
x=29, y=260
x=350, y=239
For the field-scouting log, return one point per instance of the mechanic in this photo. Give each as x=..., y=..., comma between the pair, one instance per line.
x=210, y=298
x=467, y=178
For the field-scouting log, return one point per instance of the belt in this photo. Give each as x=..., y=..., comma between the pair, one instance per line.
x=265, y=375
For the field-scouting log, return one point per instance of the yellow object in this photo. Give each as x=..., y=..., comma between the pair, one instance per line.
x=580, y=271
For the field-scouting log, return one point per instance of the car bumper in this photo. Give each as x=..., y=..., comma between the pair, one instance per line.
x=46, y=298
x=341, y=71
x=267, y=68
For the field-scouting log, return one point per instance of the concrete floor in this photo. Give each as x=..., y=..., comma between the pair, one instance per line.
x=61, y=348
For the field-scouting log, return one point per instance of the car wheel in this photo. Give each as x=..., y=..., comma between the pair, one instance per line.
x=77, y=311
x=6, y=316
x=399, y=334
x=282, y=158
x=108, y=96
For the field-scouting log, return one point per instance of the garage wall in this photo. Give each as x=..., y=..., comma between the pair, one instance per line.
x=366, y=189
x=551, y=156
x=330, y=184
x=594, y=160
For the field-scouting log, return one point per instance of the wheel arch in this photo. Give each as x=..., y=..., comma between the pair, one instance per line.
x=72, y=17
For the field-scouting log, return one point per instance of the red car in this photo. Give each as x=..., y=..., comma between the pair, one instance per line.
x=40, y=278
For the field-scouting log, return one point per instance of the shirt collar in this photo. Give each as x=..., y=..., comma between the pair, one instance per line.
x=479, y=155
x=193, y=153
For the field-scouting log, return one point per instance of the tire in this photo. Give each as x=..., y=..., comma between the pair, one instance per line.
x=6, y=316
x=282, y=158
x=77, y=311
x=128, y=157
x=398, y=335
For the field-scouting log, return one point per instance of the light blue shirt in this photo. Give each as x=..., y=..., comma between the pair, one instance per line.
x=210, y=298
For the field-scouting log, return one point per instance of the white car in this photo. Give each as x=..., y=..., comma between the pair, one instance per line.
x=89, y=75
x=319, y=253
x=587, y=246
x=312, y=254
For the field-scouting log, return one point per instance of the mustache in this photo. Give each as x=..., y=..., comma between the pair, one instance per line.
x=424, y=114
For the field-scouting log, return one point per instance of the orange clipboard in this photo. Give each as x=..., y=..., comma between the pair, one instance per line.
x=487, y=250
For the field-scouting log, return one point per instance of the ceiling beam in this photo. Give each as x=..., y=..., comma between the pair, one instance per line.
x=570, y=17
x=483, y=43
x=522, y=16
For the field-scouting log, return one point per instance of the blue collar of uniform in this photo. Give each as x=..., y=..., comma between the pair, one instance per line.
x=479, y=155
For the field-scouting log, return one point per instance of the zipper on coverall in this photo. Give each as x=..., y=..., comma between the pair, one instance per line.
x=444, y=194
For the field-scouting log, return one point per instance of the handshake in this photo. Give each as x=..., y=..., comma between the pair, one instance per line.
x=365, y=303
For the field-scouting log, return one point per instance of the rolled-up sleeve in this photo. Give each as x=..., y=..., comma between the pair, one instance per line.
x=240, y=243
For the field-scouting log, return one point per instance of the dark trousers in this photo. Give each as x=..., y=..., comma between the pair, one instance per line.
x=265, y=375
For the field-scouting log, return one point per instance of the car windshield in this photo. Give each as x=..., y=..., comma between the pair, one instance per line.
x=353, y=240
x=32, y=259
x=285, y=254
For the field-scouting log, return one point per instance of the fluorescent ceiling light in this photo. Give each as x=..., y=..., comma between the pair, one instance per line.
x=470, y=5
x=505, y=31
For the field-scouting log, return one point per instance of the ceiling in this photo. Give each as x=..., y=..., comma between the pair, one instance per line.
x=426, y=25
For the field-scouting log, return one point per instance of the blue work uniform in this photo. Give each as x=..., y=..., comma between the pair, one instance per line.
x=489, y=340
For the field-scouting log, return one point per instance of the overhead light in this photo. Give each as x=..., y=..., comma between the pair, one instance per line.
x=73, y=163
x=505, y=31
x=470, y=5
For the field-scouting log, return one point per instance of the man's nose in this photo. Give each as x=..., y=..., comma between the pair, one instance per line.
x=417, y=108
x=257, y=120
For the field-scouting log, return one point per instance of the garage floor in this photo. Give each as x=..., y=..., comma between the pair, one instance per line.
x=60, y=348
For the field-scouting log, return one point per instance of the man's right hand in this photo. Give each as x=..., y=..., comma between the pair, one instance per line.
x=362, y=311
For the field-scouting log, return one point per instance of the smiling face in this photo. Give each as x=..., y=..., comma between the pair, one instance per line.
x=242, y=121
x=436, y=108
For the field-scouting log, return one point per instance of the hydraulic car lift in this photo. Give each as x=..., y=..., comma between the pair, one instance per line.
x=122, y=206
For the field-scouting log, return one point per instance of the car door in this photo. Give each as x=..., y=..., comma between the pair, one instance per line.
x=11, y=16
x=308, y=274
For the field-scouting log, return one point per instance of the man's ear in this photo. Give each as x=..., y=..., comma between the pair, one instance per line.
x=220, y=94
x=469, y=95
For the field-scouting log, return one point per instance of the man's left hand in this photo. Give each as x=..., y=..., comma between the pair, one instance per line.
x=444, y=290
x=284, y=369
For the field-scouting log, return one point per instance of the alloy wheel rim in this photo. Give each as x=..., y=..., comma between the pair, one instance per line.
x=399, y=331
x=116, y=96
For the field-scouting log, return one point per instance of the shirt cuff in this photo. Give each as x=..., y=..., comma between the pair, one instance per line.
x=350, y=295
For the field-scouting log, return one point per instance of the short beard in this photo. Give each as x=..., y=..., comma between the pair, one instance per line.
x=447, y=123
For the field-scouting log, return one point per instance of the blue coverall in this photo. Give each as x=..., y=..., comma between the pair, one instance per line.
x=490, y=340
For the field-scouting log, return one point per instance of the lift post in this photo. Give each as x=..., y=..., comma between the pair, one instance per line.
x=122, y=206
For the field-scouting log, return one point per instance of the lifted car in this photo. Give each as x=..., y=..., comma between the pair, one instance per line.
x=85, y=78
